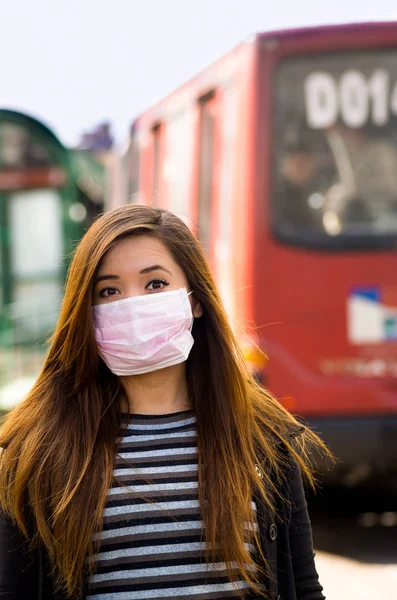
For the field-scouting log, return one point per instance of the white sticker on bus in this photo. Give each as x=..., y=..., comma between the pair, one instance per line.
x=371, y=318
x=353, y=97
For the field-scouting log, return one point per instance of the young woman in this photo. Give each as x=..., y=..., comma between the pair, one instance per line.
x=146, y=463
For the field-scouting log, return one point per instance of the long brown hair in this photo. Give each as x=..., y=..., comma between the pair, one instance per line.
x=60, y=442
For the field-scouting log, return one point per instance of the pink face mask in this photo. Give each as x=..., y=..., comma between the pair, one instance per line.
x=144, y=333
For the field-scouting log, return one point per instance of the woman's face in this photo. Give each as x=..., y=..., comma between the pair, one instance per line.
x=139, y=265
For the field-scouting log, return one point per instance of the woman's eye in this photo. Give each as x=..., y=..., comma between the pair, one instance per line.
x=156, y=284
x=107, y=292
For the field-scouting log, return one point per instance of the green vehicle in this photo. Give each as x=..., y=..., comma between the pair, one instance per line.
x=49, y=196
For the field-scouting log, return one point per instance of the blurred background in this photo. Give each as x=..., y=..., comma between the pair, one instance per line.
x=271, y=129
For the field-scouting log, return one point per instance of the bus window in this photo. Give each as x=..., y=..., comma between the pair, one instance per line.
x=131, y=167
x=178, y=170
x=156, y=132
x=206, y=168
x=335, y=138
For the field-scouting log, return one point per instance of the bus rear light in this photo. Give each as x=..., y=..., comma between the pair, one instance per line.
x=254, y=356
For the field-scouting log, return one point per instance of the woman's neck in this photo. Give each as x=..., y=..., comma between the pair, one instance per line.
x=158, y=393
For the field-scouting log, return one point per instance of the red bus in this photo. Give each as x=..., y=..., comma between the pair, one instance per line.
x=282, y=155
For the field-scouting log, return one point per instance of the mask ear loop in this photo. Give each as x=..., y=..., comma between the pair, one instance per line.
x=191, y=326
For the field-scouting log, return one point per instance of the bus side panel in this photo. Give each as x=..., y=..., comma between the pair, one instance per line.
x=261, y=174
x=243, y=219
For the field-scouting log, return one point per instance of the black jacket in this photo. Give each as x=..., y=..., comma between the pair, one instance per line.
x=286, y=541
x=288, y=545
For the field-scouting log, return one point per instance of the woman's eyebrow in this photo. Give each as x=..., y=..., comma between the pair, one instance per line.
x=102, y=277
x=154, y=268
x=143, y=272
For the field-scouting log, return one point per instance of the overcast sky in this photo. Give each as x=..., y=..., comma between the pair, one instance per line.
x=74, y=63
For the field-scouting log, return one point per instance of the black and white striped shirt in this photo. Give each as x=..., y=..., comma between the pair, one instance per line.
x=151, y=544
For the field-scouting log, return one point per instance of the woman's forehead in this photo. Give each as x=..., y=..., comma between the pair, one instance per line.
x=137, y=251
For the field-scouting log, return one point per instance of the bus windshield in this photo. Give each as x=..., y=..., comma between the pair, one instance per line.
x=335, y=141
